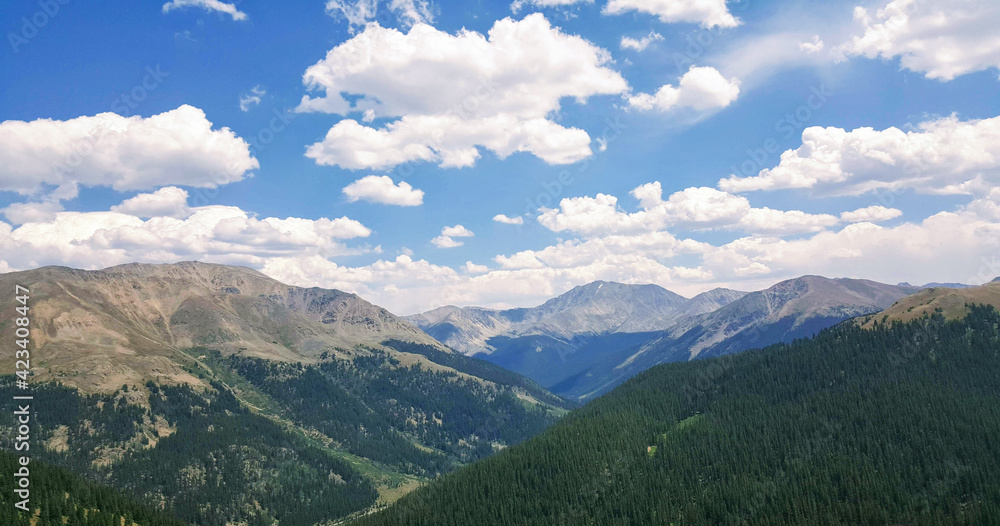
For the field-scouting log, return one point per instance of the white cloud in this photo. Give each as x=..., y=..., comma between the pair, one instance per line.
x=591, y=216
x=209, y=5
x=691, y=208
x=251, y=99
x=502, y=218
x=457, y=93
x=529, y=277
x=19, y=213
x=126, y=153
x=381, y=189
x=941, y=39
x=701, y=89
x=871, y=214
x=944, y=156
x=448, y=235
x=813, y=46
x=929, y=248
x=708, y=13
x=517, y=5
x=222, y=234
x=768, y=222
x=165, y=202
x=472, y=268
x=456, y=231
x=639, y=44
x=359, y=13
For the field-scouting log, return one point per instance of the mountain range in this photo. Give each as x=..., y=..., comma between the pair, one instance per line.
x=163, y=380
x=894, y=423
x=314, y=404
x=569, y=333
x=595, y=336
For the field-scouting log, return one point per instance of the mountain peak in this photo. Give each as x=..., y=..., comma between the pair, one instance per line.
x=130, y=323
x=598, y=307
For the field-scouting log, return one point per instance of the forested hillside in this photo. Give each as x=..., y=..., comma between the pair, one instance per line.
x=60, y=498
x=224, y=397
x=286, y=443
x=202, y=457
x=896, y=425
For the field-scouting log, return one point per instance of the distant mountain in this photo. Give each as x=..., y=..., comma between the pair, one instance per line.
x=795, y=308
x=600, y=307
x=309, y=403
x=569, y=333
x=466, y=329
x=948, y=302
x=706, y=302
x=935, y=284
x=835, y=430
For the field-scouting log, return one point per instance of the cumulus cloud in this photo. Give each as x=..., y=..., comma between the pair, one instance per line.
x=299, y=252
x=769, y=222
x=941, y=39
x=381, y=189
x=448, y=235
x=359, y=13
x=251, y=99
x=166, y=202
x=19, y=213
x=639, y=44
x=208, y=5
x=178, y=147
x=707, y=13
x=222, y=234
x=871, y=214
x=691, y=208
x=529, y=277
x=813, y=46
x=502, y=218
x=875, y=252
x=943, y=156
x=472, y=268
x=701, y=89
x=517, y=5
x=456, y=93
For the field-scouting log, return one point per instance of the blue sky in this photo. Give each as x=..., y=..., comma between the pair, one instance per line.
x=722, y=145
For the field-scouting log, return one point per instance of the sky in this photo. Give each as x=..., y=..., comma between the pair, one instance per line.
x=426, y=153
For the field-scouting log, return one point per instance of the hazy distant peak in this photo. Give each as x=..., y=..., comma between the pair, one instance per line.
x=598, y=307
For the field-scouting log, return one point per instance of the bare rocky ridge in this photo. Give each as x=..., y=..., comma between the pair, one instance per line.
x=97, y=330
x=571, y=332
x=795, y=308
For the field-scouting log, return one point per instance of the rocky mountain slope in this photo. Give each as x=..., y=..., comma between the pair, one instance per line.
x=569, y=333
x=795, y=308
x=600, y=307
x=309, y=403
x=97, y=330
